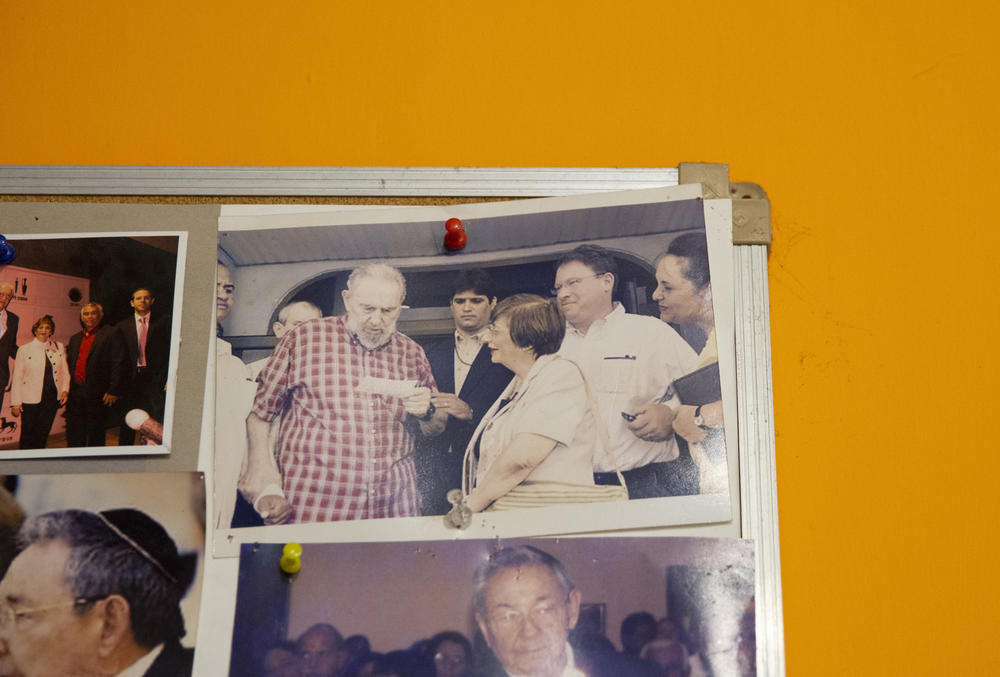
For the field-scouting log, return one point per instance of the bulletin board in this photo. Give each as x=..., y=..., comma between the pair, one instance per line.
x=209, y=187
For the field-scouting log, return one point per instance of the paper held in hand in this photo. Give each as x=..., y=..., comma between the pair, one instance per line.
x=387, y=386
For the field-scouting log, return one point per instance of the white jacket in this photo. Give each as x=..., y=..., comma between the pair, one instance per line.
x=29, y=369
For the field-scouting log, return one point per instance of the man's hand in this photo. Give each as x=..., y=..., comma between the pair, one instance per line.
x=15, y=410
x=109, y=399
x=274, y=509
x=261, y=471
x=654, y=423
x=684, y=424
x=452, y=405
x=419, y=402
x=63, y=396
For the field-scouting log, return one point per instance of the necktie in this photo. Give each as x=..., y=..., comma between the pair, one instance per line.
x=142, y=342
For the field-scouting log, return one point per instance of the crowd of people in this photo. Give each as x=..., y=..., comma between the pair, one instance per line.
x=101, y=366
x=526, y=608
x=532, y=401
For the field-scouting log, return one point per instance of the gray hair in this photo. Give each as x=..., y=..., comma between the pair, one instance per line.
x=379, y=271
x=515, y=557
x=8, y=286
x=285, y=310
x=120, y=552
x=91, y=304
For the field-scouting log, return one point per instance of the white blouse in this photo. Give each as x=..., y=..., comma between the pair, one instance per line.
x=551, y=402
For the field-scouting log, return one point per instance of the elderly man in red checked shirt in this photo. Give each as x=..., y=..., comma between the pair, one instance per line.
x=344, y=453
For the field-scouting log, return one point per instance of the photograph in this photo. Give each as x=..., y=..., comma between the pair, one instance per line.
x=408, y=372
x=100, y=574
x=89, y=333
x=615, y=607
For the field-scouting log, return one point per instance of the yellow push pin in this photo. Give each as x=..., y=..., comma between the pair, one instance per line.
x=291, y=558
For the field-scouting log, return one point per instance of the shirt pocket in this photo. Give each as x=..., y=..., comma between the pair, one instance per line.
x=618, y=372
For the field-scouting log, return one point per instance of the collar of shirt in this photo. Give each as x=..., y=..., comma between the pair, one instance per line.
x=139, y=668
x=569, y=671
x=515, y=389
x=49, y=345
x=356, y=341
x=617, y=310
x=478, y=338
x=223, y=347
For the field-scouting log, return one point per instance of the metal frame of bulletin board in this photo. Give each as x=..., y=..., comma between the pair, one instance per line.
x=384, y=186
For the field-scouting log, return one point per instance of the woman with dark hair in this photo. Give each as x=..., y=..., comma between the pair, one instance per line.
x=684, y=295
x=451, y=654
x=537, y=440
x=39, y=384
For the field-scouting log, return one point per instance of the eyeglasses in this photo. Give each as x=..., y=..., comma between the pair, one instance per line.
x=542, y=615
x=10, y=616
x=572, y=282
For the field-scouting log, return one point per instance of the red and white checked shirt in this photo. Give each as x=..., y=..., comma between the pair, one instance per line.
x=344, y=455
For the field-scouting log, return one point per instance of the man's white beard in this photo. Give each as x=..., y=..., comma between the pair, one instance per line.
x=372, y=339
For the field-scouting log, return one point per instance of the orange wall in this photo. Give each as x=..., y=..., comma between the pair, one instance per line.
x=873, y=127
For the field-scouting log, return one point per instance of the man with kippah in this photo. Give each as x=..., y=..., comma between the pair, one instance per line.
x=95, y=594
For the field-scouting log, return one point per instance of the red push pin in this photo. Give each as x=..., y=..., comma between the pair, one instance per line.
x=455, y=238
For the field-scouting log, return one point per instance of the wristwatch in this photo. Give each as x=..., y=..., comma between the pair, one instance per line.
x=698, y=419
x=430, y=412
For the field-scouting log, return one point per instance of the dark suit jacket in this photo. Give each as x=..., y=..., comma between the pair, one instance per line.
x=106, y=365
x=438, y=471
x=157, y=345
x=8, y=349
x=173, y=661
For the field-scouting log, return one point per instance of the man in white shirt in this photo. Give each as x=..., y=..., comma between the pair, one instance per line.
x=234, y=388
x=630, y=362
x=525, y=605
x=95, y=595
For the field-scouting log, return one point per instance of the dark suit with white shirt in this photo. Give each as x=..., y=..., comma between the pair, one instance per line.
x=439, y=459
x=173, y=661
x=143, y=386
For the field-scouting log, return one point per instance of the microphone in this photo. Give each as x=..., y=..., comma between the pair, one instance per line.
x=150, y=431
